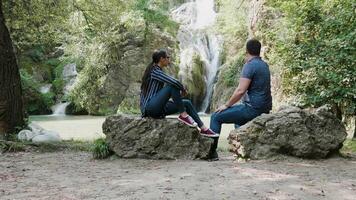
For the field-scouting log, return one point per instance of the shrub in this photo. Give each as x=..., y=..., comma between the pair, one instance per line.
x=100, y=149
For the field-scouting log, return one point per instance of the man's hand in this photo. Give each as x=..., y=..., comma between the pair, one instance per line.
x=221, y=108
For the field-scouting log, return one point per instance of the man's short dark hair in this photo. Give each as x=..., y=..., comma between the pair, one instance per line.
x=253, y=47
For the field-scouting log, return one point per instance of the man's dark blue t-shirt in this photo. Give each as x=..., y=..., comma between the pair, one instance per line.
x=259, y=91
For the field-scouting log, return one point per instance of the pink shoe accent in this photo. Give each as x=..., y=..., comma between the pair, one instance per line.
x=208, y=133
x=188, y=121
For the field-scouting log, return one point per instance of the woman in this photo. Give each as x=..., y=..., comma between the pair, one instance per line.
x=156, y=90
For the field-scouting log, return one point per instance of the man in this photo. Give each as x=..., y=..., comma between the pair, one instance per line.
x=254, y=89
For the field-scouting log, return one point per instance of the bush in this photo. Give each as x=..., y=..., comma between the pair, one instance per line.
x=35, y=102
x=316, y=51
x=101, y=149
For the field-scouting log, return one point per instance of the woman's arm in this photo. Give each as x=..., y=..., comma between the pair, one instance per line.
x=161, y=76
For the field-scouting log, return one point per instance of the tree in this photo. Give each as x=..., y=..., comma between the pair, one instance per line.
x=11, y=104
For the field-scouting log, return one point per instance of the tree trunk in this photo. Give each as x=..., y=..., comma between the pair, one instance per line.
x=11, y=104
x=354, y=126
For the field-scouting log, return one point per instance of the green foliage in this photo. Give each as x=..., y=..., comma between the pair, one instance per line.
x=128, y=107
x=232, y=24
x=36, y=22
x=155, y=13
x=36, y=53
x=58, y=85
x=91, y=80
x=349, y=146
x=35, y=102
x=232, y=73
x=317, y=51
x=11, y=146
x=53, y=62
x=27, y=80
x=103, y=31
x=196, y=82
x=94, y=34
x=101, y=149
x=48, y=99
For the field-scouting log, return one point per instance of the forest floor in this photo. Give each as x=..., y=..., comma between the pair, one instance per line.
x=74, y=174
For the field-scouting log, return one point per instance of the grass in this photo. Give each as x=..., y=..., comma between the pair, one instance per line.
x=100, y=149
x=10, y=146
x=349, y=147
x=68, y=145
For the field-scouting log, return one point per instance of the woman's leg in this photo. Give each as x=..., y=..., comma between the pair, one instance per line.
x=156, y=105
x=172, y=108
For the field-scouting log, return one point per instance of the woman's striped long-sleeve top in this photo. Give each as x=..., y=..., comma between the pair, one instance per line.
x=156, y=82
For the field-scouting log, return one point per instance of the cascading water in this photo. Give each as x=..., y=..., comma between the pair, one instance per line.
x=60, y=108
x=196, y=37
x=69, y=75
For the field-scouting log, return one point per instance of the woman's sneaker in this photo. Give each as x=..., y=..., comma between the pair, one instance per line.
x=208, y=133
x=188, y=121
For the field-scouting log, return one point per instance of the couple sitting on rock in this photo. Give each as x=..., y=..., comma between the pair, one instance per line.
x=158, y=88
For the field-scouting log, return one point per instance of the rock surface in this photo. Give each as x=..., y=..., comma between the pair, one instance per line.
x=136, y=137
x=290, y=131
x=37, y=134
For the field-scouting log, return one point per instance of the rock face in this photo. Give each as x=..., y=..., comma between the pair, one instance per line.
x=123, y=81
x=134, y=137
x=290, y=131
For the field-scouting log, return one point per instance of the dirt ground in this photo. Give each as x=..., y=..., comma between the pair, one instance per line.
x=75, y=175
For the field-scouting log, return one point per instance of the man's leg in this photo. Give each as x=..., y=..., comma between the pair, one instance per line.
x=239, y=114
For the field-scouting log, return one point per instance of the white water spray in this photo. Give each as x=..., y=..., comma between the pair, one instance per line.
x=196, y=37
x=70, y=76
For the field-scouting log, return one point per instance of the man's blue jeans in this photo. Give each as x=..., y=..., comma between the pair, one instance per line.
x=159, y=106
x=239, y=115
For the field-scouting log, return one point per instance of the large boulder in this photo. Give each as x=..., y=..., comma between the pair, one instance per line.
x=136, y=137
x=290, y=131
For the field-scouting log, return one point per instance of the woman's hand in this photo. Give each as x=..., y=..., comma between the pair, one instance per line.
x=221, y=108
x=184, y=92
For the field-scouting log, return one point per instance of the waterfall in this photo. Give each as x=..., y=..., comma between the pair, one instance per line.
x=69, y=76
x=196, y=37
x=60, y=108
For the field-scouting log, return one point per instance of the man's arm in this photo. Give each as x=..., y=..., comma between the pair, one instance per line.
x=244, y=83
